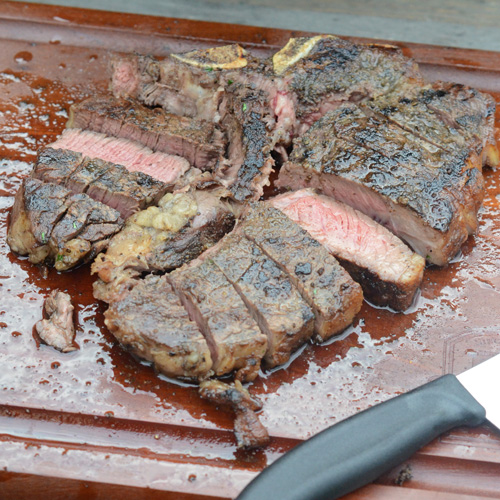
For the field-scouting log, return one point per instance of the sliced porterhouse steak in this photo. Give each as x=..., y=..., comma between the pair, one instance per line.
x=331, y=293
x=323, y=71
x=49, y=224
x=387, y=270
x=201, y=143
x=432, y=206
x=152, y=322
x=273, y=301
x=103, y=181
x=165, y=237
x=132, y=155
x=233, y=336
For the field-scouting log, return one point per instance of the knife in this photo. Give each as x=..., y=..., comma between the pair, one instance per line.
x=358, y=450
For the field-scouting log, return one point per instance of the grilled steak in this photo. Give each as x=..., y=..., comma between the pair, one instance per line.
x=324, y=71
x=49, y=224
x=111, y=184
x=333, y=296
x=233, y=336
x=133, y=156
x=387, y=270
x=58, y=329
x=430, y=201
x=165, y=237
x=281, y=313
x=201, y=143
x=151, y=321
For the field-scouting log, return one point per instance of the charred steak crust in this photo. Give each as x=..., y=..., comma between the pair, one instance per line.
x=281, y=313
x=151, y=321
x=233, y=336
x=334, y=297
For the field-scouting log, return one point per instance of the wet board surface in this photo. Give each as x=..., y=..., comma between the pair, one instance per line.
x=96, y=423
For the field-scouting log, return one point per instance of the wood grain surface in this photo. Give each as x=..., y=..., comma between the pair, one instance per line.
x=98, y=424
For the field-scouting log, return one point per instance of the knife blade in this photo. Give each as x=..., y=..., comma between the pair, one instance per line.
x=356, y=451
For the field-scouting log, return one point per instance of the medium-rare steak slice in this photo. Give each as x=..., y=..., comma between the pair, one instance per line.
x=201, y=143
x=387, y=270
x=331, y=293
x=281, y=313
x=151, y=321
x=51, y=225
x=132, y=155
x=103, y=181
x=234, y=338
x=165, y=237
x=323, y=71
x=432, y=208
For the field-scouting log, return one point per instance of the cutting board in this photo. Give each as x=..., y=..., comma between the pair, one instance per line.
x=97, y=423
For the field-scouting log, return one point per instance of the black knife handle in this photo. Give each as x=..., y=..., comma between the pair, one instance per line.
x=359, y=449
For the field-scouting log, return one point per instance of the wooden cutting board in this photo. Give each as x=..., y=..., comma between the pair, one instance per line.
x=96, y=423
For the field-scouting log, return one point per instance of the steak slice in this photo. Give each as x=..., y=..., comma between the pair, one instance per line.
x=133, y=156
x=243, y=114
x=433, y=208
x=324, y=71
x=331, y=293
x=83, y=231
x=103, y=181
x=50, y=225
x=151, y=321
x=37, y=209
x=165, y=237
x=281, y=313
x=387, y=270
x=233, y=336
x=201, y=143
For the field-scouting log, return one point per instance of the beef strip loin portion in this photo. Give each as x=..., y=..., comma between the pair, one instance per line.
x=233, y=336
x=165, y=237
x=103, y=181
x=387, y=270
x=199, y=142
x=331, y=293
x=281, y=313
x=51, y=225
x=151, y=321
x=132, y=155
x=431, y=205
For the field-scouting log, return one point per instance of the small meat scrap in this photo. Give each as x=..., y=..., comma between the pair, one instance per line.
x=249, y=431
x=58, y=329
